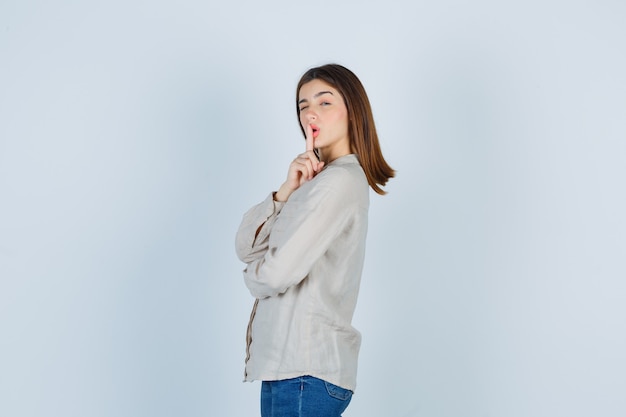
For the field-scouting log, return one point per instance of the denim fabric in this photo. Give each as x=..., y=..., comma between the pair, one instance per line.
x=304, y=396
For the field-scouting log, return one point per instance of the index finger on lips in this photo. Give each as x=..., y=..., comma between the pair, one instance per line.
x=309, y=138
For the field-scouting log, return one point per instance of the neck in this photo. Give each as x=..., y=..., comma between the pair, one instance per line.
x=328, y=158
x=328, y=155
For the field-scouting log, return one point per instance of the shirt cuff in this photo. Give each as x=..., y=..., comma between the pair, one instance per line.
x=278, y=205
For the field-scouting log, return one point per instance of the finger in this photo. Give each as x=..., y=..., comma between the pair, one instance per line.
x=309, y=138
x=312, y=162
x=306, y=166
x=309, y=167
x=317, y=165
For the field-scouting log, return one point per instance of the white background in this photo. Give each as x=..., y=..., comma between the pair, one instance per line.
x=135, y=134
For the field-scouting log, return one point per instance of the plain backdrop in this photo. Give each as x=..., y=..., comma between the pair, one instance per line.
x=135, y=134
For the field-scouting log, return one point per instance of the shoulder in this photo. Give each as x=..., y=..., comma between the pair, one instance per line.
x=345, y=171
x=339, y=188
x=344, y=181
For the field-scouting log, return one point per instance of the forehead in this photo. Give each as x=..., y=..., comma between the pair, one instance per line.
x=313, y=87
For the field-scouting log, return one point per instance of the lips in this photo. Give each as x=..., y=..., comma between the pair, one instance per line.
x=316, y=130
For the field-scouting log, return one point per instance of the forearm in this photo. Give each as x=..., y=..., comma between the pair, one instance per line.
x=283, y=193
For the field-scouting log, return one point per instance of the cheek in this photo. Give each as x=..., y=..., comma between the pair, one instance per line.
x=343, y=120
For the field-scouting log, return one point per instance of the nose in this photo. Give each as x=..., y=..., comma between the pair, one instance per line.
x=309, y=114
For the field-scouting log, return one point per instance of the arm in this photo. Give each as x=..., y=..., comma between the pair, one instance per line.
x=306, y=228
x=252, y=237
x=254, y=233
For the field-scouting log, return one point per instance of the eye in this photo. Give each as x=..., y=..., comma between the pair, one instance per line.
x=303, y=108
x=325, y=103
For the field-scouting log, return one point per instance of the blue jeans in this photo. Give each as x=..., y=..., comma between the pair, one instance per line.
x=305, y=396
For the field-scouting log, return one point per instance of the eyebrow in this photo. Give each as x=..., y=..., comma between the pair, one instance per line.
x=316, y=96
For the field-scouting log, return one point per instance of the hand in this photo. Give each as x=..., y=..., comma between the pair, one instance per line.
x=302, y=169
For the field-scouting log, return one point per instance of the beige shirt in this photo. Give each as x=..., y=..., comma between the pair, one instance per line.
x=304, y=267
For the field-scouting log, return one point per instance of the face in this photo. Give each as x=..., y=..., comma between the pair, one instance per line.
x=322, y=107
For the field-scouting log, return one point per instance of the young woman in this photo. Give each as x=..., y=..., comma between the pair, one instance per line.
x=304, y=248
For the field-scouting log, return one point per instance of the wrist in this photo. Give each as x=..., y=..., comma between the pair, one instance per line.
x=282, y=194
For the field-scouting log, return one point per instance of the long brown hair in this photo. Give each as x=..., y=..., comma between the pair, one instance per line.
x=361, y=128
